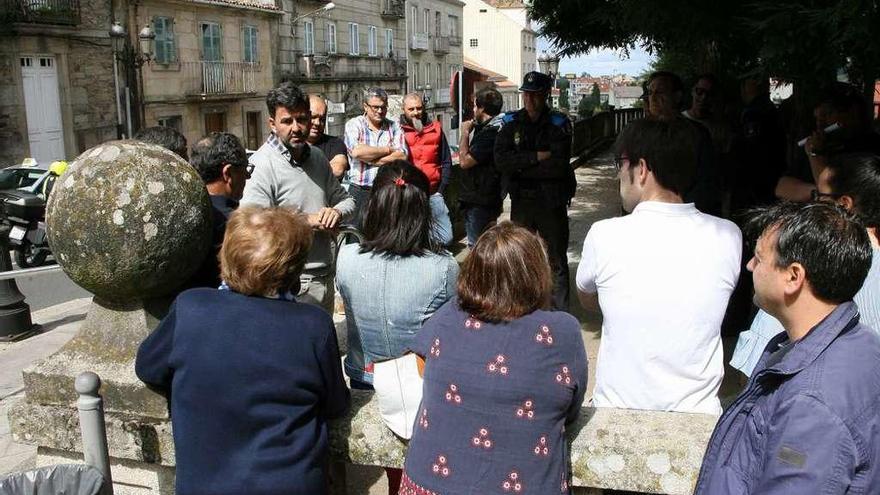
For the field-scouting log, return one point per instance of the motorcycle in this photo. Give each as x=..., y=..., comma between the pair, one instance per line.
x=24, y=212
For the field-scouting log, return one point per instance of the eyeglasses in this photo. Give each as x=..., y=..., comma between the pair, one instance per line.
x=376, y=108
x=815, y=195
x=619, y=161
x=702, y=92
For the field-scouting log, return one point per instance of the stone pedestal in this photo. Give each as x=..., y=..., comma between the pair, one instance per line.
x=129, y=222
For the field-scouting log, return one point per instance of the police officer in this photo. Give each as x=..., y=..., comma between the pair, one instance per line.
x=533, y=150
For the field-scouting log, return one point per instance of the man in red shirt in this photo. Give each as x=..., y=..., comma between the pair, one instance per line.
x=429, y=151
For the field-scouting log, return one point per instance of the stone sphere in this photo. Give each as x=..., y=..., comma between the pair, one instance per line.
x=129, y=221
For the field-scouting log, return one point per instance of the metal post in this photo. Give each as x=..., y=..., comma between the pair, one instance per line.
x=91, y=423
x=118, y=98
x=128, y=110
x=15, y=314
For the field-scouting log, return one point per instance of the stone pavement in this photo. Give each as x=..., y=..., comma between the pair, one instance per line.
x=597, y=198
x=58, y=324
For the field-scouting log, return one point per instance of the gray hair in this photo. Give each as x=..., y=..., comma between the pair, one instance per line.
x=376, y=92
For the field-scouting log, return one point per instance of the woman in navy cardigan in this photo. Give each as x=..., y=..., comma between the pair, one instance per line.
x=252, y=375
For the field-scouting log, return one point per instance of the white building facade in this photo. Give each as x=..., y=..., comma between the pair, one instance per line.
x=499, y=36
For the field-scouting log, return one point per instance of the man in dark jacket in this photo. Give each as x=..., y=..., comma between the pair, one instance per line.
x=533, y=150
x=809, y=419
x=479, y=194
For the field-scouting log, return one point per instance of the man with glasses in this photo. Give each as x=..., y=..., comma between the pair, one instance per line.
x=221, y=162
x=288, y=172
x=663, y=97
x=706, y=108
x=661, y=276
x=332, y=147
x=372, y=140
x=853, y=182
x=841, y=104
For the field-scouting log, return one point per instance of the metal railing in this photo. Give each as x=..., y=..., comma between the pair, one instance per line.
x=217, y=78
x=600, y=128
x=319, y=67
x=394, y=8
x=64, y=12
x=441, y=44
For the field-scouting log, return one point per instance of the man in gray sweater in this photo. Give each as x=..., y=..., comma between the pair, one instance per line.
x=290, y=173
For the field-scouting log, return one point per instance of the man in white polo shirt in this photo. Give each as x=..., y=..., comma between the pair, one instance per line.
x=662, y=277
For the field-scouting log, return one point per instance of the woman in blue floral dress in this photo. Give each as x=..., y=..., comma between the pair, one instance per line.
x=503, y=376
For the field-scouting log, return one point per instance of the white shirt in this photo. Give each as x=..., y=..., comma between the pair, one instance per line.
x=664, y=275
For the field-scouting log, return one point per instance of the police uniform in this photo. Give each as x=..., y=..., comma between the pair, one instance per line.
x=540, y=191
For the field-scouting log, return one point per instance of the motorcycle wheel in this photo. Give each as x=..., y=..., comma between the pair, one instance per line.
x=29, y=256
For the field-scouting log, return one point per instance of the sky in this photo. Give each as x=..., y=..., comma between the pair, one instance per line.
x=601, y=62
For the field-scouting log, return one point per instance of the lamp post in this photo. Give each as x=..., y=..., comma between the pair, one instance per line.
x=426, y=95
x=326, y=8
x=125, y=54
x=549, y=64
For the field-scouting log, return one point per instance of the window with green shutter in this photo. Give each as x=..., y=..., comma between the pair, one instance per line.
x=251, y=52
x=166, y=52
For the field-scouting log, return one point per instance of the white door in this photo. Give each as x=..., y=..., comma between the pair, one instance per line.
x=43, y=108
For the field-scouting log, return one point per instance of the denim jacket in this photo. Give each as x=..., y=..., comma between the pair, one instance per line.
x=387, y=300
x=809, y=419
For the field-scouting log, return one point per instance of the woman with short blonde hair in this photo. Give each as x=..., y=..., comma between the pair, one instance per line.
x=253, y=376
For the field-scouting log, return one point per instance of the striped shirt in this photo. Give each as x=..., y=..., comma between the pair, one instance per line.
x=358, y=131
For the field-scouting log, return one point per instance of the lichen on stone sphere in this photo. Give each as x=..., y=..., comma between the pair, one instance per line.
x=129, y=221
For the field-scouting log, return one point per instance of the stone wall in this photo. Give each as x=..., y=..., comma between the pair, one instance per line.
x=641, y=451
x=84, y=65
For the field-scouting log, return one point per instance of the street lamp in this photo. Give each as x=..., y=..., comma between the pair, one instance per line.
x=326, y=8
x=124, y=53
x=549, y=64
x=426, y=95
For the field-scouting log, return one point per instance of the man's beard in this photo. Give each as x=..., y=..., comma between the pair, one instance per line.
x=417, y=124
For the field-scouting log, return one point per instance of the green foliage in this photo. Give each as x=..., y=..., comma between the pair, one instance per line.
x=595, y=95
x=802, y=41
x=585, y=108
x=563, y=100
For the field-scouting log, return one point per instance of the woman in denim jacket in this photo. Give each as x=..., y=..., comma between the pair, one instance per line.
x=397, y=278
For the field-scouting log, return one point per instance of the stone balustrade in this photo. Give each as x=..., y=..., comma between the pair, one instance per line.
x=642, y=451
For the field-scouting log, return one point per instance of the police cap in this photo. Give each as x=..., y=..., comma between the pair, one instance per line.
x=536, y=81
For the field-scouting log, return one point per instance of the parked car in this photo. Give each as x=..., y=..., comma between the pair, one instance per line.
x=24, y=211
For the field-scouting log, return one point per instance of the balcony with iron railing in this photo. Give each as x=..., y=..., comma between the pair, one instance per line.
x=419, y=42
x=347, y=67
x=59, y=12
x=394, y=9
x=441, y=45
x=205, y=78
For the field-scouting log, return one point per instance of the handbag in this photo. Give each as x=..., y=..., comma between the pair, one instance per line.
x=398, y=387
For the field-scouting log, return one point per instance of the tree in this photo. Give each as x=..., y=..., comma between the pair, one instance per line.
x=563, y=85
x=801, y=41
x=595, y=96
x=585, y=108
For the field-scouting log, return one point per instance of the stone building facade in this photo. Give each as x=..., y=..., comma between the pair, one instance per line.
x=435, y=53
x=339, y=53
x=212, y=66
x=56, y=65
